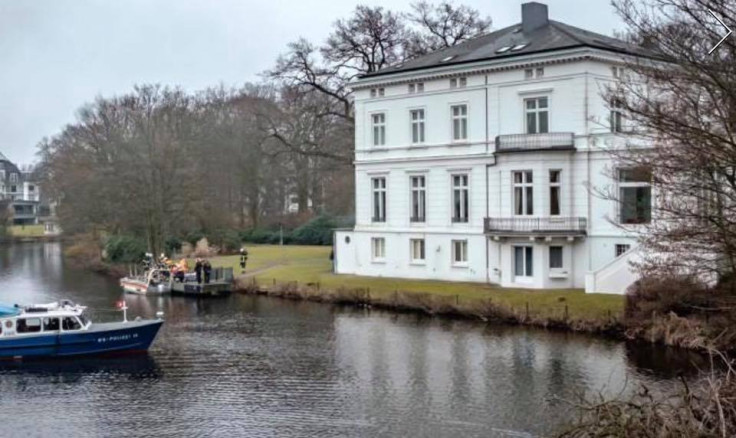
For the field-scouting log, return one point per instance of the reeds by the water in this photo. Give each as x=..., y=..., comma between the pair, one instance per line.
x=431, y=304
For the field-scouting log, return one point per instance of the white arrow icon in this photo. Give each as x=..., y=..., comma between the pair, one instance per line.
x=722, y=24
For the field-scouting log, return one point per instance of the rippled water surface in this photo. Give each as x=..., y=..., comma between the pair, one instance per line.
x=254, y=366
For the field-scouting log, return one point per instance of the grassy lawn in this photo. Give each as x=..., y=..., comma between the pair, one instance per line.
x=311, y=264
x=26, y=230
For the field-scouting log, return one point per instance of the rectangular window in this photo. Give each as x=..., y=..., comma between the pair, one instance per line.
x=462, y=82
x=28, y=325
x=621, y=248
x=555, y=257
x=373, y=92
x=417, y=126
x=381, y=91
x=459, y=252
x=70, y=323
x=616, y=116
x=379, y=248
x=523, y=193
x=417, y=250
x=418, y=198
x=379, y=129
x=554, y=192
x=379, y=199
x=51, y=324
x=540, y=73
x=537, y=115
x=417, y=87
x=635, y=195
x=459, y=122
x=460, y=198
x=529, y=73
x=523, y=261
x=453, y=83
x=13, y=177
x=618, y=72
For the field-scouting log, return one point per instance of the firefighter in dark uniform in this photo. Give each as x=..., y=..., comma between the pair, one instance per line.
x=243, y=258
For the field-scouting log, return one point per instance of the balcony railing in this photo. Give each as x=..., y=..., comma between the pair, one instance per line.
x=536, y=225
x=535, y=142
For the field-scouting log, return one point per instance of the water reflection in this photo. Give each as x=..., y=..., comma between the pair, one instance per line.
x=254, y=366
x=133, y=367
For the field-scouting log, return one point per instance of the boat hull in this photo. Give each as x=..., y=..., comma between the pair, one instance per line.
x=194, y=289
x=99, y=339
x=141, y=288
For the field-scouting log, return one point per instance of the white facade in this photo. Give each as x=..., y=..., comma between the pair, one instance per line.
x=535, y=217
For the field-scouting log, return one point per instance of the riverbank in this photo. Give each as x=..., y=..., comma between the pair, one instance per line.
x=27, y=234
x=305, y=272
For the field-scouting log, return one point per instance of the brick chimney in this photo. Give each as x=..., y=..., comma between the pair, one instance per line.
x=533, y=16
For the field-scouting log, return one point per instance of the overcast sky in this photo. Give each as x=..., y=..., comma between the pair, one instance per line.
x=55, y=55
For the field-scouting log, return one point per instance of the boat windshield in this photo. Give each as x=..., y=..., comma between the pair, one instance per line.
x=83, y=319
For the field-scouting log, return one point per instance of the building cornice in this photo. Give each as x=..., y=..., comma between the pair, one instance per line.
x=491, y=66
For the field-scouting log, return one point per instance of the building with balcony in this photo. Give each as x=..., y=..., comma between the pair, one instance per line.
x=488, y=162
x=19, y=194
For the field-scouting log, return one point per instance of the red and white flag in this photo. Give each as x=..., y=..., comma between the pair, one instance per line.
x=120, y=304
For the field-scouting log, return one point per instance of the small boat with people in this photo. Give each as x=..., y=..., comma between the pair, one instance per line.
x=155, y=279
x=62, y=329
x=164, y=276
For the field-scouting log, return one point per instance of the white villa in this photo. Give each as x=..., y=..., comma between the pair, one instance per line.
x=480, y=163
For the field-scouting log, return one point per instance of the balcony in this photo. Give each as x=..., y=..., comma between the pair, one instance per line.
x=536, y=142
x=525, y=226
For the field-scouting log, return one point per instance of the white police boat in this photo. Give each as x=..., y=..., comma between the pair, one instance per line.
x=62, y=329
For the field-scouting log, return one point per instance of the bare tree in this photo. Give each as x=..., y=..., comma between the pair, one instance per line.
x=681, y=105
x=442, y=25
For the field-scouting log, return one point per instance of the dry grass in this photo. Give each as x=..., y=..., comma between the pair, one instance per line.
x=703, y=408
x=679, y=312
x=26, y=230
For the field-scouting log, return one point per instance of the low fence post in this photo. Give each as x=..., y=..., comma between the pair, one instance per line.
x=527, y=310
x=567, y=315
x=457, y=300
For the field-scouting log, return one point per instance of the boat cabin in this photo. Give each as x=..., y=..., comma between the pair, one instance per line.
x=52, y=318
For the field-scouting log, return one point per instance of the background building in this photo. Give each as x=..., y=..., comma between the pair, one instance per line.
x=489, y=162
x=19, y=194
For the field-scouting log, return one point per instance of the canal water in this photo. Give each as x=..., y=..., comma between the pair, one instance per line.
x=262, y=367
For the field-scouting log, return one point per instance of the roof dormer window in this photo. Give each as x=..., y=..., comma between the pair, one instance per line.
x=503, y=49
